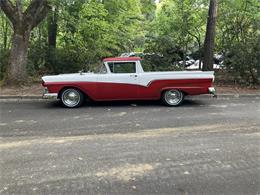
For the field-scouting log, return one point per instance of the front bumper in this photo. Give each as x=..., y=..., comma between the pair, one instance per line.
x=47, y=95
x=212, y=91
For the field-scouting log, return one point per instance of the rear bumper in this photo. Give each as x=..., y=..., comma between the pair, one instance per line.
x=212, y=91
x=50, y=96
x=47, y=95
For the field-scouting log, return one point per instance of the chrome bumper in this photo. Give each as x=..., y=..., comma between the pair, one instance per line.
x=47, y=95
x=212, y=91
x=50, y=96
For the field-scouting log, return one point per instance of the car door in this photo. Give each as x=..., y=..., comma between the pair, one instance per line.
x=120, y=83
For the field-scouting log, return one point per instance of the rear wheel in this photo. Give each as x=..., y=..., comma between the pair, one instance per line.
x=172, y=97
x=71, y=98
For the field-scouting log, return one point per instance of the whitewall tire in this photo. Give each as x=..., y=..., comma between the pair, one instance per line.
x=71, y=98
x=172, y=97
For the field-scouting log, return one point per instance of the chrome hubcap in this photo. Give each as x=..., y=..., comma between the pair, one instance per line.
x=173, y=97
x=70, y=97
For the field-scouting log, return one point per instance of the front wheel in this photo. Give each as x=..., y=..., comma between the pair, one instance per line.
x=172, y=97
x=71, y=98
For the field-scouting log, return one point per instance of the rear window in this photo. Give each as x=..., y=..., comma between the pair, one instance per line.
x=122, y=67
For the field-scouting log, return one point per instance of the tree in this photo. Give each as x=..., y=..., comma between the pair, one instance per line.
x=238, y=40
x=52, y=28
x=23, y=23
x=209, y=43
x=178, y=30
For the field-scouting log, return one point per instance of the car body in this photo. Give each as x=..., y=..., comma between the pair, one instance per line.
x=189, y=61
x=123, y=78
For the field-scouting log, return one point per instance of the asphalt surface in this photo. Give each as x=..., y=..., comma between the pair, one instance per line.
x=205, y=146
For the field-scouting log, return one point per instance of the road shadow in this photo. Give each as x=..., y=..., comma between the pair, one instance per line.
x=128, y=103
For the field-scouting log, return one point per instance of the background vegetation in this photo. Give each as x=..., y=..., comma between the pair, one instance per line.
x=77, y=34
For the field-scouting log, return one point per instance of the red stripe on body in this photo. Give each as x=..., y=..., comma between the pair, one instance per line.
x=116, y=59
x=122, y=91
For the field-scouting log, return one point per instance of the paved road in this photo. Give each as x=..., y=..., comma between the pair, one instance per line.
x=206, y=146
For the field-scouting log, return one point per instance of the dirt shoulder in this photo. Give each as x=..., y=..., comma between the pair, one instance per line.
x=36, y=89
x=232, y=89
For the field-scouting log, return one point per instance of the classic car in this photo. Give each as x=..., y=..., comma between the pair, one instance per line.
x=123, y=78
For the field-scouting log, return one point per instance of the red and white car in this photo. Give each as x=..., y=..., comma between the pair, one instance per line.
x=123, y=78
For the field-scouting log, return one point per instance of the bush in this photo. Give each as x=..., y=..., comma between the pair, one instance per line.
x=242, y=62
x=44, y=60
x=155, y=62
x=64, y=61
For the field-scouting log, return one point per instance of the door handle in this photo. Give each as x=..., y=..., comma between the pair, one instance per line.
x=134, y=75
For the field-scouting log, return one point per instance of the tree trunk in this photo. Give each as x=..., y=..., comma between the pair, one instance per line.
x=16, y=71
x=52, y=38
x=209, y=43
x=52, y=28
x=23, y=22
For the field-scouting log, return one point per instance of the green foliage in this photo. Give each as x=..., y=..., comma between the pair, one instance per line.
x=238, y=39
x=37, y=50
x=243, y=64
x=89, y=30
x=5, y=41
x=96, y=30
x=178, y=29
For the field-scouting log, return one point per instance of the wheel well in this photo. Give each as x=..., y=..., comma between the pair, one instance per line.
x=68, y=87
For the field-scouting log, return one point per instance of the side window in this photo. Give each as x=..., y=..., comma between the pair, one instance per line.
x=122, y=67
x=111, y=66
x=103, y=69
